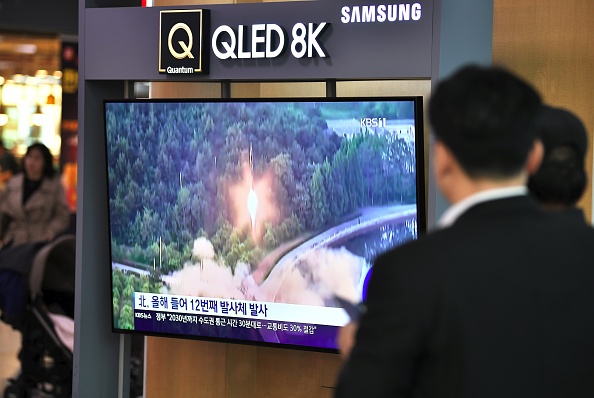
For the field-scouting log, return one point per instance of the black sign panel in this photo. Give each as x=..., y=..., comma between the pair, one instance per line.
x=300, y=40
x=183, y=41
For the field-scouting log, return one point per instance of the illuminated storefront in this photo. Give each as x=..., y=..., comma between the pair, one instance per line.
x=38, y=98
x=31, y=91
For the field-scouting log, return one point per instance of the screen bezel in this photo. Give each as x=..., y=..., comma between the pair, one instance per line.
x=421, y=200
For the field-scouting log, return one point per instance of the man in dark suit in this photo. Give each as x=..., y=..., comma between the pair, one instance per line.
x=499, y=302
x=561, y=178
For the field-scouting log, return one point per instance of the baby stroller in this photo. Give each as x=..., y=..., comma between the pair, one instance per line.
x=37, y=299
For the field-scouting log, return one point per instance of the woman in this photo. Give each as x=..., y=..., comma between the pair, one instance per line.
x=33, y=205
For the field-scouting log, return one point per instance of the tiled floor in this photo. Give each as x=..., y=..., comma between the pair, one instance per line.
x=10, y=343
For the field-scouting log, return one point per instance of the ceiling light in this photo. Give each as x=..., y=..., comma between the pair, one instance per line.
x=3, y=116
x=11, y=93
x=38, y=118
x=25, y=48
x=19, y=78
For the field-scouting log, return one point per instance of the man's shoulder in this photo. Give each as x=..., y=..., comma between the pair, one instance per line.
x=427, y=248
x=572, y=226
x=454, y=243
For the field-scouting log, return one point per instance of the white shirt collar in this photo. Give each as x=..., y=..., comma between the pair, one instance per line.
x=450, y=216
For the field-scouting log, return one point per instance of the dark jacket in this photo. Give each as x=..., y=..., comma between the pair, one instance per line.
x=501, y=304
x=15, y=268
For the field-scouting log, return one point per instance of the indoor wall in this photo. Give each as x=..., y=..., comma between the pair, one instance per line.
x=548, y=42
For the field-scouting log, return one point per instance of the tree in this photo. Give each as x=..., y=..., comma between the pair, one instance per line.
x=283, y=184
x=126, y=320
x=318, y=200
x=302, y=203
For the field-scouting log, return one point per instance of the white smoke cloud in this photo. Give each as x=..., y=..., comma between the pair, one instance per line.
x=311, y=280
x=242, y=270
x=295, y=290
x=209, y=279
x=335, y=272
x=315, y=279
x=203, y=249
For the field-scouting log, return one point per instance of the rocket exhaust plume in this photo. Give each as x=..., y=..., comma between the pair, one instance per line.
x=252, y=203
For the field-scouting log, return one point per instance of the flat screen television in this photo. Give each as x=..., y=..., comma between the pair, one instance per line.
x=241, y=220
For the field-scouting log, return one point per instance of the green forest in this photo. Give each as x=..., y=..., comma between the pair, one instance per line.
x=169, y=165
x=123, y=286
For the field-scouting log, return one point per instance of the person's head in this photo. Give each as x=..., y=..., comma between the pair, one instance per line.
x=38, y=162
x=482, y=119
x=561, y=178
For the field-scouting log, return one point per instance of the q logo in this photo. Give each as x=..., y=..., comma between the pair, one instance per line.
x=183, y=42
x=187, y=47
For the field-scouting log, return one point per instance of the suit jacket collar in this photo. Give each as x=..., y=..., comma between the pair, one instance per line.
x=500, y=208
x=454, y=212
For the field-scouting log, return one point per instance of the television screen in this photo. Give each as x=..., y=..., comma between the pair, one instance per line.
x=243, y=220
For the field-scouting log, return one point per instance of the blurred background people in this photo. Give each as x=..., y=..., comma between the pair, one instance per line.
x=561, y=178
x=8, y=165
x=33, y=205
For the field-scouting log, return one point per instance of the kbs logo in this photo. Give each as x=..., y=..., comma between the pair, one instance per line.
x=373, y=122
x=183, y=41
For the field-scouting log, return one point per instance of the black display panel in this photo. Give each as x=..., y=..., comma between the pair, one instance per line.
x=240, y=220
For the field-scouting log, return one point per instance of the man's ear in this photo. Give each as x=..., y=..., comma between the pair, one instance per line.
x=535, y=157
x=442, y=160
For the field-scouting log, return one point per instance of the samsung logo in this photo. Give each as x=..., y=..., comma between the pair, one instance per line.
x=373, y=122
x=381, y=13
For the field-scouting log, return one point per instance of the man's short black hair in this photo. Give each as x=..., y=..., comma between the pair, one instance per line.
x=484, y=116
x=561, y=178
